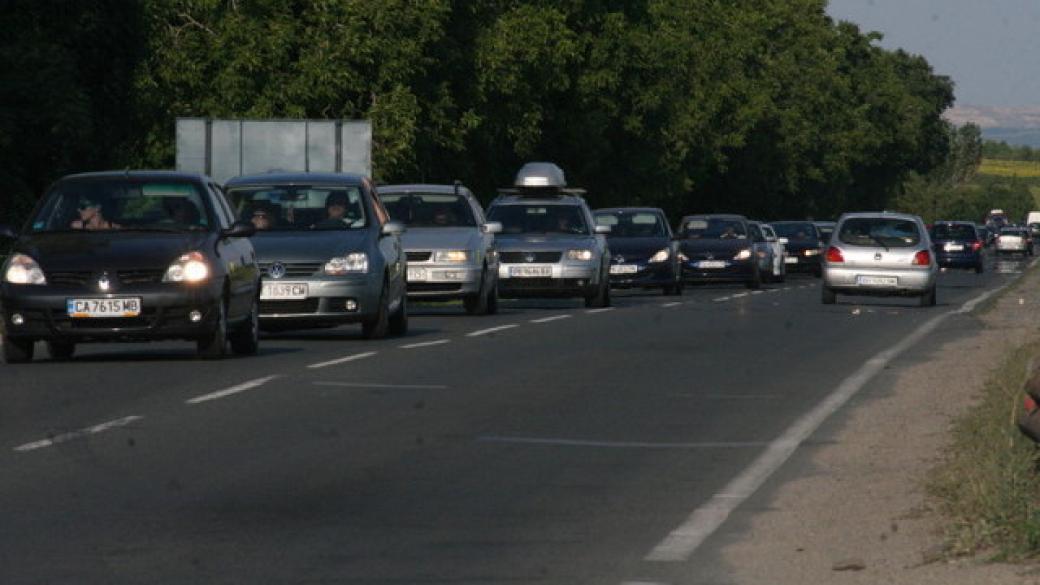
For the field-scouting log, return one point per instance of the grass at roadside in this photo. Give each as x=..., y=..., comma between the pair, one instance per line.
x=1009, y=168
x=989, y=485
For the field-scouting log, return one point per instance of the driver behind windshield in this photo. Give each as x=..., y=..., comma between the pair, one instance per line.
x=338, y=210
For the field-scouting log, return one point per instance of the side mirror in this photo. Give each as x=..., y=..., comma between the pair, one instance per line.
x=602, y=229
x=491, y=227
x=8, y=233
x=783, y=241
x=392, y=228
x=239, y=229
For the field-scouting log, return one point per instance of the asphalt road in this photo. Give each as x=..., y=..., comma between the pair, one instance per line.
x=546, y=444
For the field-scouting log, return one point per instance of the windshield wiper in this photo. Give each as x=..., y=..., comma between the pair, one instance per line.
x=879, y=241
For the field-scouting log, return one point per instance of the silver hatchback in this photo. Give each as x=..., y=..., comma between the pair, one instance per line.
x=881, y=254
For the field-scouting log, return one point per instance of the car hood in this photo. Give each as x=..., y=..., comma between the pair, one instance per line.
x=637, y=247
x=548, y=242
x=695, y=246
x=112, y=250
x=308, y=246
x=428, y=238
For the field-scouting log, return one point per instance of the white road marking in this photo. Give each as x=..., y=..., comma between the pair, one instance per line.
x=426, y=344
x=389, y=386
x=553, y=318
x=232, y=390
x=773, y=290
x=740, y=295
x=600, y=310
x=672, y=304
x=619, y=444
x=121, y=422
x=491, y=330
x=349, y=358
x=721, y=299
x=706, y=519
x=758, y=292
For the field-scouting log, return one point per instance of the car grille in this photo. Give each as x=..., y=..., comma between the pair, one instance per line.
x=521, y=257
x=287, y=307
x=81, y=278
x=111, y=323
x=418, y=256
x=293, y=269
x=140, y=276
x=68, y=278
x=434, y=287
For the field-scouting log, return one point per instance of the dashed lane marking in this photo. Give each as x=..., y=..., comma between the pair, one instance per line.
x=600, y=310
x=342, y=360
x=232, y=390
x=672, y=304
x=491, y=330
x=425, y=344
x=552, y=318
x=721, y=299
x=62, y=438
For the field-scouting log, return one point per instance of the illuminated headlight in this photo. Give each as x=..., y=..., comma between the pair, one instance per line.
x=191, y=267
x=683, y=257
x=451, y=256
x=356, y=263
x=22, y=269
x=743, y=254
x=580, y=255
x=661, y=255
x=812, y=252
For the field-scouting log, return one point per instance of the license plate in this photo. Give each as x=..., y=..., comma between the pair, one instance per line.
x=624, y=269
x=416, y=274
x=877, y=280
x=711, y=264
x=103, y=308
x=791, y=260
x=954, y=247
x=530, y=271
x=283, y=291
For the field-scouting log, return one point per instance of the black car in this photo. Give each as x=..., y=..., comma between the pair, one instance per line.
x=957, y=245
x=130, y=256
x=719, y=248
x=804, y=245
x=643, y=251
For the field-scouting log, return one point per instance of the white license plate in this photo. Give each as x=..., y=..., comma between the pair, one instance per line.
x=791, y=260
x=416, y=274
x=530, y=271
x=283, y=291
x=104, y=308
x=624, y=269
x=711, y=264
x=877, y=280
x=954, y=247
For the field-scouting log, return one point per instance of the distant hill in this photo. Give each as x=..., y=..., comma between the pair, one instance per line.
x=1016, y=126
x=1014, y=136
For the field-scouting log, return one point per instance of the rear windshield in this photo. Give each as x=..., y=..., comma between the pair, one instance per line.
x=796, y=231
x=713, y=228
x=1015, y=231
x=123, y=205
x=540, y=219
x=297, y=207
x=879, y=231
x=429, y=209
x=954, y=232
x=632, y=224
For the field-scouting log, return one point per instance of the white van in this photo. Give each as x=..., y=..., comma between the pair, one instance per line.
x=1032, y=217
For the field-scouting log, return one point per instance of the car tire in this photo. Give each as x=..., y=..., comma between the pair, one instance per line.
x=492, y=302
x=601, y=298
x=818, y=272
x=214, y=345
x=17, y=351
x=928, y=298
x=376, y=327
x=755, y=282
x=979, y=268
x=477, y=303
x=246, y=339
x=828, y=296
x=61, y=350
x=398, y=325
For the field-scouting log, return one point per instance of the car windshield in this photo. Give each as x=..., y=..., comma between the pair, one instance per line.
x=1012, y=231
x=713, y=228
x=429, y=209
x=796, y=231
x=540, y=219
x=123, y=205
x=632, y=224
x=300, y=208
x=879, y=231
x=954, y=232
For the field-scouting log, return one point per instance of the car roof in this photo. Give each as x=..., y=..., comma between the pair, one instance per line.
x=299, y=178
x=424, y=188
x=779, y=221
x=136, y=174
x=631, y=209
x=561, y=199
x=715, y=215
x=953, y=222
x=875, y=214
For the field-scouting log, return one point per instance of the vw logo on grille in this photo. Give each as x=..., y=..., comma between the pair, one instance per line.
x=103, y=283
x=877, y=256
x=277, y=270
x=709, y=256
x=529, y=257
x=619, y=259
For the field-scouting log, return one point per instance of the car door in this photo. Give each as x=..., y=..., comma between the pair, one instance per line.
x=763, y=253
x=487, y=240
x=238, y=257
x=389, y=246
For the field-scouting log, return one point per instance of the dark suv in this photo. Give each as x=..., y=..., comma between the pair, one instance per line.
x=957, y=245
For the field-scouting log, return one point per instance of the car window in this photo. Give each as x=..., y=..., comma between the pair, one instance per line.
x=429, y=209
x=768, y=232
x=296, y=207
x=632, y=224
x=540, y=219
x=797, y=231
x=954, y=232
x=713, y=228
x=124, y=204
x=879, y=231
x=223, y=208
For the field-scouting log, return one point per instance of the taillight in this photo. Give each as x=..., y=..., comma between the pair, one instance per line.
x=976, y=246
x=922, y=258
x=1030, y=404
x=834, y=255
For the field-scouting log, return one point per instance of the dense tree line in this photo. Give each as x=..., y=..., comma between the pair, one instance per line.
x=1001, y=150
x=766, y=107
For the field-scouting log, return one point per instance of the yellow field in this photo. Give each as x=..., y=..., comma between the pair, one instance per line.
x=1010, y=168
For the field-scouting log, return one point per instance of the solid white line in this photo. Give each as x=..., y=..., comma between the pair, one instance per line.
x=491, y=330
x=706, y=519
x=553, y=318
x=618, y=444
x=121, y=422
x=600, y=310
x=349, y=358
x=426, y=344
x=672, y=304
x=232, y=390
x=401, y=386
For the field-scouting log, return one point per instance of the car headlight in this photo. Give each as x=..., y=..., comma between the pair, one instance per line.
x=581, y=255
x=451, y=256
x=812, y=252
x=661, y=255
x=22, y=269
x=190, y=267
x=355, y=263
x=743, y=254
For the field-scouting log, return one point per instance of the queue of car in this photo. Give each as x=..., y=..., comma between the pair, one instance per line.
x=150, y=255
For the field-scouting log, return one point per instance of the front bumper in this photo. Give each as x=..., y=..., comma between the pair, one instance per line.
x=646, y=275
x=565, y=280
x=733, y=271
x=442, y=281
x=326, y=302
x=846, y=279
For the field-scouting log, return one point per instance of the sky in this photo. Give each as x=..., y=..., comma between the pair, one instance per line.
x=990, y=48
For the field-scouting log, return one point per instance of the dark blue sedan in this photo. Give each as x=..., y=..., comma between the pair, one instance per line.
x=957, y=245
x=643, y=252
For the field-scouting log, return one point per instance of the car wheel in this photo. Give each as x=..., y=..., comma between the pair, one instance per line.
x=376, y=327
x=928, y=298
x=818, y=272
x=601, y=298
x=399, y=320
x=477, y=303
x=61, y=350
x=17, y=351
x=755, y=281
x=246, y=339
x=828, y=296
x=492, y=302
x=979, y=268
x=214, y=345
